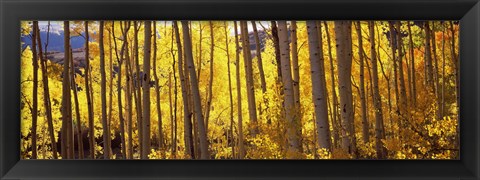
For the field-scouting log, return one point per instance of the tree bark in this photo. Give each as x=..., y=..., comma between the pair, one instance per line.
x=46, y=95
x=210, y=80
x=157, y=88
x=293, y=123
x=230, y=94
x=336, y=114
x=146, y=91
x=379, y=133
x=252, y=110
x=428, y=57
x=363, y=102
x=412, y=64
x=196, y=95
x=277, y=49
x=319, y=85
x=106, y=129
x=259, y=57
x=295, y=68
x=343, y=38
x=187, y=116
x=67, y=134
x=35, y=89
x=241, y=148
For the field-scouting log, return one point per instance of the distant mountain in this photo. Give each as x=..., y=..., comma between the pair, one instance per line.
x=55, y=41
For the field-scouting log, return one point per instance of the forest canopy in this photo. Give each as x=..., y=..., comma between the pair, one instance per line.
x=239, y=90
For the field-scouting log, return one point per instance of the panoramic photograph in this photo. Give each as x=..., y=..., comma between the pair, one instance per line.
x=216, y=90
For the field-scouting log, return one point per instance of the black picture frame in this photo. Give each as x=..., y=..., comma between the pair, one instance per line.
x=13, y=11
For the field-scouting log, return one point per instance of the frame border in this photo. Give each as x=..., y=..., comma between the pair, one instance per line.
x=13, y=11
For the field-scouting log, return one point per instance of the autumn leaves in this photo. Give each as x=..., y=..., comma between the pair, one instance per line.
x=244, y=90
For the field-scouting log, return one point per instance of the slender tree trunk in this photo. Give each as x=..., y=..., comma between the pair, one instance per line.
x=210, y=80
x=35, y=89
x=394, y=58
x=428, y=58
x=110, y=88
x=379, y=133
x=230, y=94
x=252, y=111
x=67, y=149
x=89, y=93
x=77, y=110
x=259, y=57
x=334, y=91
x=343, y=38
x=403, y=91
x=128, y=97
x=362, y=84
x=146, y=91
x=186, y=112
x=443, y=69
x=138, y=87
x=106, y=129
x=157, y=88
x=277, y=49
x=436, y=74
x=196, y=95
x=412, y=64
x=293, y=137
x=319, y=87
x=295, y=67
x=241, y=148
x=46, y=94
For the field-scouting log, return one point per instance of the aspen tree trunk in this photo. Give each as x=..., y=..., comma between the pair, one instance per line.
x=138, y=88
x=457, y=78
x=428, y=58
x=157, y=88
x=259, y=57
x=106, y=129
x=200, y=51
x=77, y=110
x=277, y=49
x=403, y=91
x=412, y=64
x=186, y=112
x=241, y=148
x=293, y=123
x=110, y=88
x=435, y=75
x=171, y=112
x=252, y=110
x=210, y=80
x=146, y=91
x=35, y=89
x=128, y=96
x=394, y=58
x=386, y=78
x=343, y=38
x=296, y=74
x=318, y=85
x=363, y=102
x=196, y=95
x=67, y=137
x=119, y=82
x=379, y=133
x=88, y=92
x=230, y=94
x=334, y=91
x=443, y=69
x=46, y=95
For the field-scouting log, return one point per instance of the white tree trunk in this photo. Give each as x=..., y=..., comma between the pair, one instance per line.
x=318, y=85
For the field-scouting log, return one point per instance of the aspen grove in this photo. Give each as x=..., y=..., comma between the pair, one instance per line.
x=239, y=90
